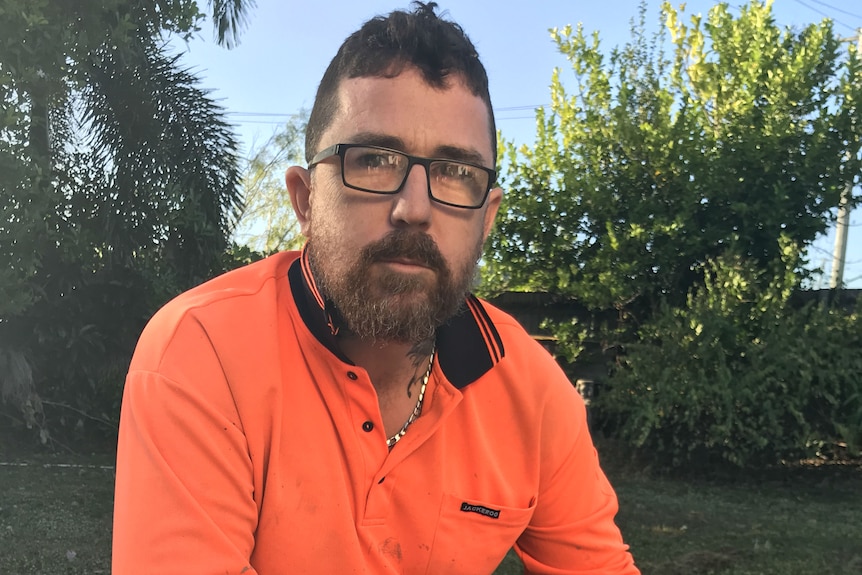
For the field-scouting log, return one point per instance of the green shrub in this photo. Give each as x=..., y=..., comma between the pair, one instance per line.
x=79, y=341
x=76, y=342
x=740, y=375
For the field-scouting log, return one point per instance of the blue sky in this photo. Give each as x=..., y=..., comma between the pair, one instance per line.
x=287, y=44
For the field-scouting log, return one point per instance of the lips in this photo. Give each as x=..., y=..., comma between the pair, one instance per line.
x=406, y=262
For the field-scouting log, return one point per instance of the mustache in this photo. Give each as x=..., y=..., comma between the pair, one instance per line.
x=417, y=246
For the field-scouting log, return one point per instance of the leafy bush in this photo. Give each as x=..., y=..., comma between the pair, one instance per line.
x=78, y=342
x=71, y=350
x=740, y=375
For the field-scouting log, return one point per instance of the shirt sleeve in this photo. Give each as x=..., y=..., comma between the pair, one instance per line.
x=184, y=488
x=573, y=530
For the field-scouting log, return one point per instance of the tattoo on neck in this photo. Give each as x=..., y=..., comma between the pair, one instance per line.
x=418, y=355
x=413, y=380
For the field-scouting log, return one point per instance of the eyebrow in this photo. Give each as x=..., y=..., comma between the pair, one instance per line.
x=460, y=154
x=440, y=152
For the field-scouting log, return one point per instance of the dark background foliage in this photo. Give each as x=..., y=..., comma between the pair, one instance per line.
x=671, y=195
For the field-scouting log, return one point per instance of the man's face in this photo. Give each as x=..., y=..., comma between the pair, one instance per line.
x=397, y=266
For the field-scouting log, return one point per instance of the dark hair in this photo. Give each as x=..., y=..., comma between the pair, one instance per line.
x=386, y=45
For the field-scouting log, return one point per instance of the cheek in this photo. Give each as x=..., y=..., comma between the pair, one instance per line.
x=460, y=247
x=326, y=216
x=341, y=233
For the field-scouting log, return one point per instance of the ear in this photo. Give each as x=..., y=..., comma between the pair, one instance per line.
x=298, y=181
x=495, y=196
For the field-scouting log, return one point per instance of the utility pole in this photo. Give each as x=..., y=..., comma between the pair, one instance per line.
x=842, y=228
x=842, y=225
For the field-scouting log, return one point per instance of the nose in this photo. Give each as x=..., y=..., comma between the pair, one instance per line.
x=412, y=205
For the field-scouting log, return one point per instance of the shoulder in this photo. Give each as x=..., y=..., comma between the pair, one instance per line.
x=527, y=371
x=527, y=397
x=241, y=282
x=520, y=346
x=222, y=304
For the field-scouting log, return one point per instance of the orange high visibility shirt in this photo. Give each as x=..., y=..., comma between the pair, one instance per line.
x=249, y=445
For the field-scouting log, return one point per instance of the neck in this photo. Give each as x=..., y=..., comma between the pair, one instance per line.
x=396, y=371
x=391, y=365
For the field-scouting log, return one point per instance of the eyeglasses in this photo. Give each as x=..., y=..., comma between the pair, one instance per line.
x=383, y=171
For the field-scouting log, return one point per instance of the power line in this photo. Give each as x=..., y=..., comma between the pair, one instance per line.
x=824, y=14
x=296, y=114
x=279, y=122
x=498, y=119
x=819, y=249
x=265, y=114
x=837, y=9
x=281, y=117
x=262, y=122
x=520, y=108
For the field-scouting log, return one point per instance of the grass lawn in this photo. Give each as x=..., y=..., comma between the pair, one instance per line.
x=57, y=520
x=799, y=525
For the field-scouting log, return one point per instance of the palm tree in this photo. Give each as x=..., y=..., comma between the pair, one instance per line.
x=118, y=180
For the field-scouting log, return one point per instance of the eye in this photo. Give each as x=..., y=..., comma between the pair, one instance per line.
x=455, y=171
x=370, y=159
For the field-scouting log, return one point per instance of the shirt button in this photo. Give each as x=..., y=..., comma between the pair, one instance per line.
x=352, y=375
x=367, y=426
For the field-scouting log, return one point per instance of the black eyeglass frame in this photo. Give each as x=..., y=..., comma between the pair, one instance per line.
x=340, y=150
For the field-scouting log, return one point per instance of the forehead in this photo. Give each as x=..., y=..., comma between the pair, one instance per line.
x=408, y=110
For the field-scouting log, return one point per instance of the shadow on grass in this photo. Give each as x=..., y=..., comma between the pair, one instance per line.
x=797, y=520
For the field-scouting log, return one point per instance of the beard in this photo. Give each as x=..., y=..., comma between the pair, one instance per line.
x=382, y=305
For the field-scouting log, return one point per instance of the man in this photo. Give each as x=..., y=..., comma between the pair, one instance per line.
x=351, y=408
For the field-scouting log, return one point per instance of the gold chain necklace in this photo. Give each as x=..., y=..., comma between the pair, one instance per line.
x=417, y=409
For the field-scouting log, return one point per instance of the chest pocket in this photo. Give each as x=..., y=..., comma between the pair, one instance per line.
x=473, y=536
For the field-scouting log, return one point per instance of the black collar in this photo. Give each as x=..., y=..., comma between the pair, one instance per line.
x=468, y=345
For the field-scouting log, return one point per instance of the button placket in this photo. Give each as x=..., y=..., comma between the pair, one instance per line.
x=364, y=414
x=379, y=502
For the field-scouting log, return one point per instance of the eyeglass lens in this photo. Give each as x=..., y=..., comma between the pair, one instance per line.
x=384, y=171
